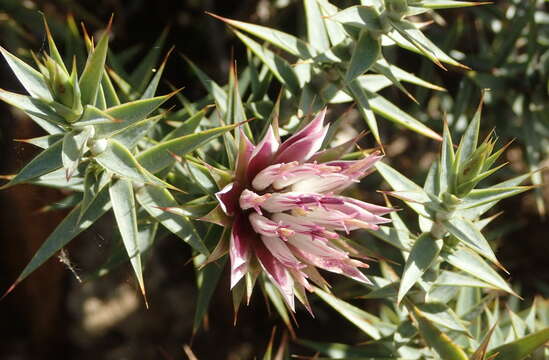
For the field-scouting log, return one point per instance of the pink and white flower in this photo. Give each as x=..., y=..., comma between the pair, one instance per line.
x=287, y=211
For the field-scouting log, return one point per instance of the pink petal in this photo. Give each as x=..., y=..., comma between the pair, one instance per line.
x=277, y=273
x=313, y=128
x=374, y=209
x=345, y=267
x=242, y=237
x=228, y=197
x=281, y=252
x=304, y=148
x=263, y=154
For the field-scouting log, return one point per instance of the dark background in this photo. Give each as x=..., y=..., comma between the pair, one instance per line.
x=53, y=316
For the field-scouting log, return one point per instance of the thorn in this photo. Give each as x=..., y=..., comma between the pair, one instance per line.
x=10, y=289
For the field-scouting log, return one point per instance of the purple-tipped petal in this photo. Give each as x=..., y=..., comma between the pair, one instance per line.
x=263, y=154
x=245, y=150
x=277, y=273
x=304, y=148
x=242, y=238
x=314, y=128
x=228, y=198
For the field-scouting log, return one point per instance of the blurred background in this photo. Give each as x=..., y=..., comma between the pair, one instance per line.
x=63, y=311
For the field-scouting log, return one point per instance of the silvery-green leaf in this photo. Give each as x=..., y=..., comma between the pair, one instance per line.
x=359, y=94
x=154, y=200
x=466, y=232
x=438, y=340
x=74, y=144
x=422, y=256
x=118, y=159
x=130, y=136
x=123, y=205
x=188, y=126
x=280, y=68
x=411, y=34
x=90, y=81
x=441, y=314
x=365, y=53
x=360, y=318
x=286, y=42
x=31, y=79
x=129, y=113
x=158, y=157
x=316, y=30
x=31, y=106
x=451, y=278
x=359, y=16
x=520, y=349
x=42, y=142
x=473, y=264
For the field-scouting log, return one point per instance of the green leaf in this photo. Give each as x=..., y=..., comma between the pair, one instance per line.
x=365, y=54
x=32, y=80
x=474, y=265
x=123, y=205
x=389, y=70
x=482, y=200
x=43, y=142
x=436, y=339
x=90, y=81
x=405, y=40
x=422, y=256
x=417, y=39
x=336, y=31
x=74, y=144
x=490, y=195
x=67, y=230
x=521, y=348
x=129, y=113
x=44, y=163
x=414, y=196
x=118, y=159
x=93, y=116
x=187, y=127
x=440, y=314
x=154, y=200
x=359, y=94
x=469, y=140
x=316, y=30
x=360, y=318
x=130, y=136
x=359, y=17
x=286, y=42
x=466, y=232
x=450, y=278
x=388, y=110
x=160, y=156
x=32, y=107
x=447, y=176
x=280, y=68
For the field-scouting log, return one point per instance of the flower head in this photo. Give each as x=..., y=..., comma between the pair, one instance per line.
x=287, y=211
